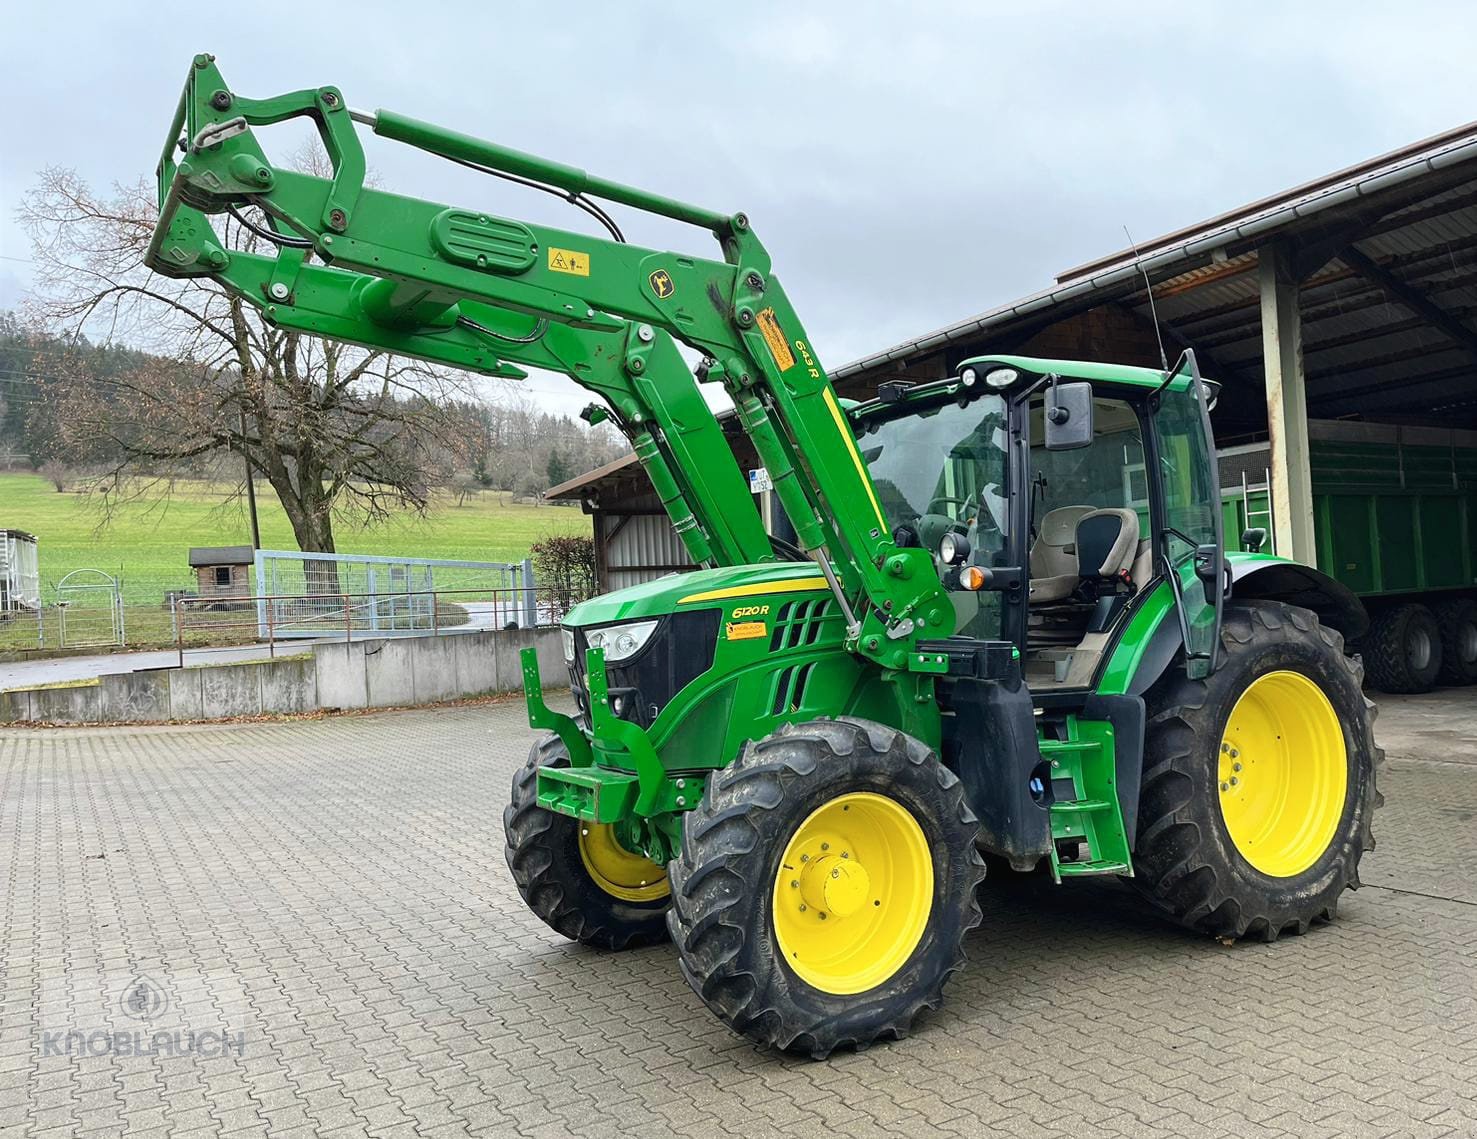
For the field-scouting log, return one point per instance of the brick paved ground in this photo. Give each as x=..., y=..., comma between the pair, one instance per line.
x=332, y=897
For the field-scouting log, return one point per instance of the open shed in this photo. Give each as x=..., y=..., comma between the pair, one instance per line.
x=1348, y=298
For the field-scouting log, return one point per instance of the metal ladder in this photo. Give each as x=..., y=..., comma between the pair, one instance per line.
x=1266, y=512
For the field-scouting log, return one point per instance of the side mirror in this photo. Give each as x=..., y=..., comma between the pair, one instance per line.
x=1068, y=416
x=1253, y=538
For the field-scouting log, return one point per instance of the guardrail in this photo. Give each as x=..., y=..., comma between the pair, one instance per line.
x=204, y=622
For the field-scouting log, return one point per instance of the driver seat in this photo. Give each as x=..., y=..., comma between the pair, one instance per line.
x=1081, y=544
x=1054, y=566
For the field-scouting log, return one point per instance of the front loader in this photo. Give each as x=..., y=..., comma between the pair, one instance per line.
x=1007, y=625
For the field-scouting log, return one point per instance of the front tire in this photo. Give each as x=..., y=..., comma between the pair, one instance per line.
x=1285, y=719
x=574, y=875
x=825, y=885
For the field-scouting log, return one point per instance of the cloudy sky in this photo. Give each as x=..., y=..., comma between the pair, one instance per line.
x=906, y=164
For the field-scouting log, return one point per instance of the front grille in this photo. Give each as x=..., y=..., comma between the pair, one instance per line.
x=680, y=650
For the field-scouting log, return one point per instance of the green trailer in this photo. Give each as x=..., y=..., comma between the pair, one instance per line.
x=1395, y=520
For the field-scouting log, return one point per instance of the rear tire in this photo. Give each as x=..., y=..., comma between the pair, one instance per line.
x=1189, y=861
x=1458, y=622
x=1402, y=649
x=746, y=940
x=551, y=868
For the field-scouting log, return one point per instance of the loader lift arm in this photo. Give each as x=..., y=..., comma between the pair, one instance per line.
x=421, y=277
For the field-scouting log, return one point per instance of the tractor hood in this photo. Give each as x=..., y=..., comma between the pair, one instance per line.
x=699, y=589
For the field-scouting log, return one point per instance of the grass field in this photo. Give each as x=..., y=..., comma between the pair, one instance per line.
x=148, y=542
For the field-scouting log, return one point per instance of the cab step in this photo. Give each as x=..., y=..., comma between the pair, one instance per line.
x=1103, y=866
x=1086, y=810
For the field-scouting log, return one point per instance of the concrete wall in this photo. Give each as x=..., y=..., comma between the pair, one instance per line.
x=360, y=674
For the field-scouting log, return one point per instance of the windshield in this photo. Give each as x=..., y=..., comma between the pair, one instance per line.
x=942, y=469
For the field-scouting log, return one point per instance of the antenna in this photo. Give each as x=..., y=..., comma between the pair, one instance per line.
x=1149, y=289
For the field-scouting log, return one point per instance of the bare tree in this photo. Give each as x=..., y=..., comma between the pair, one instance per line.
x=337, y=432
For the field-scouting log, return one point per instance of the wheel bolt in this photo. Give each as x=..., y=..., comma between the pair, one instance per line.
x=1225, y=747
x=805, y=858
x=802, y=907
x=846, y=854
x=825, y=846
x=835, y=874
x=1225, y=786
x=1234, y=753
x=1235, y=767
x=823, y=917
x=794, y=883
x=1234, y=781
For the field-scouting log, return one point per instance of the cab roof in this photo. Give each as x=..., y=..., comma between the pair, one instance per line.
x=1071, y=369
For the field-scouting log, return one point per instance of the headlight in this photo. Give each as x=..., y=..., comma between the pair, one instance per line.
x=953, y=548
x=567, y=636
x=1002, y=377
x=621, y=641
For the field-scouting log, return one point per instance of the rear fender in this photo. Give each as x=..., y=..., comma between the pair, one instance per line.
x=1253, y=578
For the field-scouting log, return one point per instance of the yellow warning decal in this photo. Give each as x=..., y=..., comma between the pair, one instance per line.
x=745, y=630
x=774, y=336
x=569, y=261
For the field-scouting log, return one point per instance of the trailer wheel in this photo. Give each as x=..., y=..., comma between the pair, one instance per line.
x=575, y=875
x=1403, y=649
x=1259, y=781
x=1458, y=622
x=825, y=885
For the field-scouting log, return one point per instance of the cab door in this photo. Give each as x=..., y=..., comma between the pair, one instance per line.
x=1188, y=542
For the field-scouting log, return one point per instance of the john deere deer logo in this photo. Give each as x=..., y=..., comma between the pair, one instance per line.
x=661, y=284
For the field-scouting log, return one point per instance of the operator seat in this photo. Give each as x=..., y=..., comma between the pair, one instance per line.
x=1054, y=570
x=1081, y=544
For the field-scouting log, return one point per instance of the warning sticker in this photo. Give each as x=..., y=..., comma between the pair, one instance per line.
x=569, y=261
x=774, y=336
x=744, y=630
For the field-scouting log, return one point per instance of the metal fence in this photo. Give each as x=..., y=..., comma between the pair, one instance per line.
x=210, y=622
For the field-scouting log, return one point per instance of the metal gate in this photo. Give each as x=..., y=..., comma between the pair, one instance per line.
x=89, y=609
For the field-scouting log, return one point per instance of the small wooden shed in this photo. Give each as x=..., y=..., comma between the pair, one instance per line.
x=223, y=571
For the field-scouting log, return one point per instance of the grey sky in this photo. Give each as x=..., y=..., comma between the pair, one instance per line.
x=906, y=164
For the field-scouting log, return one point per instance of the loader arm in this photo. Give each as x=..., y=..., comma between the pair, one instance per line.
x=411, y=273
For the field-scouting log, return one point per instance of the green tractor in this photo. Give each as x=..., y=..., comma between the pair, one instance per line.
x=1003, y=624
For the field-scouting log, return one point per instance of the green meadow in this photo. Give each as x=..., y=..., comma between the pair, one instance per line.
x=147, y=542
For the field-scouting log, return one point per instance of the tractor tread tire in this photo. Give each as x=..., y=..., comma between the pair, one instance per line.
x=1452, y=617
x=722, y=882
x=1185, y=862
x=1385, y=658
x=542, y=849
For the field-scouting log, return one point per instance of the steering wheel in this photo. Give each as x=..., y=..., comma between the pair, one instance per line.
x=968, y=505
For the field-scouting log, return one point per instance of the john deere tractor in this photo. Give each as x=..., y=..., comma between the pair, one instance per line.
x=1001, y=625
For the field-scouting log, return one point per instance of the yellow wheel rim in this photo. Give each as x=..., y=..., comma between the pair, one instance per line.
x=617, y=871
x=853, y=893
x=1283, y=774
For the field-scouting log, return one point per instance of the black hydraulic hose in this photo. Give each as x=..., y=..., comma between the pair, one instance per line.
x=269, y=234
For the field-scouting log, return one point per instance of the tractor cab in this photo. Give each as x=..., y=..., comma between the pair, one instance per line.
x=1053, y=495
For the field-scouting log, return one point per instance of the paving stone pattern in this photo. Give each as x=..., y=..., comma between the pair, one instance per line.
x=308, y=928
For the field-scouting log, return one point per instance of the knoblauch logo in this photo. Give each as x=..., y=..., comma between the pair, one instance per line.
x=143, y=999
x=138, y=1008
